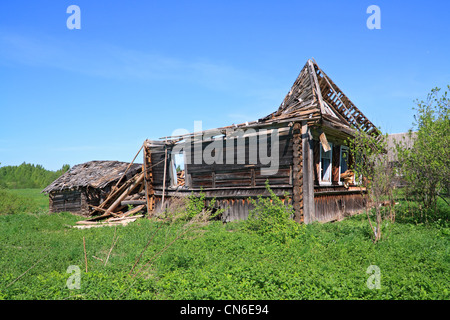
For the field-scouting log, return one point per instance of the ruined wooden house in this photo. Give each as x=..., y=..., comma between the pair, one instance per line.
x=86, y=185
x=300, y=149
x=407, y=140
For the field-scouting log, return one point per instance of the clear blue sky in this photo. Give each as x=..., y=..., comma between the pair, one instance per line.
x=142, y=69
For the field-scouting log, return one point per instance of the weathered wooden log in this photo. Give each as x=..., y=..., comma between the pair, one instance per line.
x=107, y=224
x=124, y=194
x=125, y=218
x=128, y=213
x=133, y=202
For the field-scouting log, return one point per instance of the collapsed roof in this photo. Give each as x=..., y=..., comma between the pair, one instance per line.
x=313, y=97
x=94, y=174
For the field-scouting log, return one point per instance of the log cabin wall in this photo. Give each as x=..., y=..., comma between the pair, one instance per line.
x=323, y=111
x=66, y=201
x=297, y=156
x=69, y=201
x=74, y=201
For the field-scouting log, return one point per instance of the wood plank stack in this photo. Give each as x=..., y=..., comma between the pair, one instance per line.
x=347, y=177
x=180, y=178
x=109, y=222
x=115, y=209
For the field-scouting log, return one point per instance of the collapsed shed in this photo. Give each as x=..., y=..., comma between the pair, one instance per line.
x=85, y=186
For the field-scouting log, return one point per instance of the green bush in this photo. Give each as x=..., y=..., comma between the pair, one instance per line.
x=11, y=203
x=425, y=166
x=188, y=208
x=194, y=205
x=272, y=218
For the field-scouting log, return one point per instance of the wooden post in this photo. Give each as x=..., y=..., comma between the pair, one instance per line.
x=164, y=177
x=186, y=156
x=85, y=256
x=253, y=182
x=308, y=174
x=129, y=166
x=148, y=180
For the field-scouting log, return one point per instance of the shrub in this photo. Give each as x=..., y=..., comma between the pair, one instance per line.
x=196, y=205
x=272, y=218
x=188, y=208
x=425, y=165
x=11, y=203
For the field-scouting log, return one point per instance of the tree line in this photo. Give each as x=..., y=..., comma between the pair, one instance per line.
x=28, y=175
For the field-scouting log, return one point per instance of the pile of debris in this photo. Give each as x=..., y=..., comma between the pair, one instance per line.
x=129, y=199
x=180, y=178
x=121, y=205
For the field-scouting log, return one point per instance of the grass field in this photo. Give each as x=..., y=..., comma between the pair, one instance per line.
x=223, y=261
x=35, y=195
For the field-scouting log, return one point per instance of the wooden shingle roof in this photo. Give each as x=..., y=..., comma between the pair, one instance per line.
x=94, y=174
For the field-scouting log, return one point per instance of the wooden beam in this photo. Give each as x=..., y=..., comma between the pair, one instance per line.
x=325, y=144
x=316, y=85
x=133, y=202
x=129, y=166
x=128, y=213
x=124, y=194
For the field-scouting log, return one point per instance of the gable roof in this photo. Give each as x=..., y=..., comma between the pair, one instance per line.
x=315, y=96
x=94, y=174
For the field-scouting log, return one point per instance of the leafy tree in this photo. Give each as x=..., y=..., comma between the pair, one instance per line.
x=372, y=169
x=426, y=165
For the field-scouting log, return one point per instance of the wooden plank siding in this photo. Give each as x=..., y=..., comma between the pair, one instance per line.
x=234, y=201
x=336, y=204
x=157, y=166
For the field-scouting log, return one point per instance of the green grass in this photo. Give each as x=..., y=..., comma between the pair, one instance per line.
x=328, y=261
